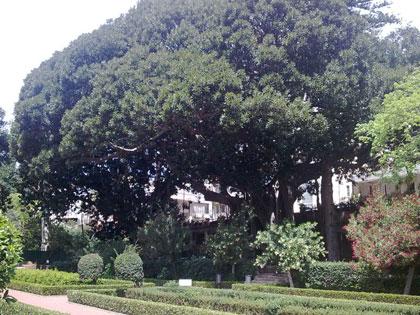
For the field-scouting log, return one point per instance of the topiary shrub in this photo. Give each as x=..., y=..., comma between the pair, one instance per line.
x=129, y=266
x=90, y=267
x=10, y=251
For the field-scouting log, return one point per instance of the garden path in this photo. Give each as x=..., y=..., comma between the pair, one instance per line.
x=58, y=303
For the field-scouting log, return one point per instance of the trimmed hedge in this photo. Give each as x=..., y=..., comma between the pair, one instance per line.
x=347, y=295
x=16, y=308
x=243, y=302
x=354, y=277
x=90, y=267
x=199, y=284
x=46, y=277
x=129, y=266
x=62, y=289
x=133, y=307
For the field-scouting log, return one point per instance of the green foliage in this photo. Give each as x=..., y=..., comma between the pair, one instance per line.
x=393, y=133
x=68, y=242
x=245, y=93
x=163, y=242
x=23, y=309
x=42, y=289
x=353, y=277
x=108, y=249
x=46, y=277
x=10, y=251
x=195, y=267
x=134, y=307
x=90, y=267
x=346, y=295
x=230, y=244
x=386, y=233
x=246, y=302
x=289, y=246
x=26, y=220
x=129, y=266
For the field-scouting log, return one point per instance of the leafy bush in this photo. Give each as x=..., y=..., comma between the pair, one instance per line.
x=46, y=277
x=170, y=242
x=200, y=268
x=289, y=247
x=23, y=309
x=62, y=289
x=134, y=307
x=90, y=267
x=242, y=302
x=231, y=242
x=195, y=283
x=347, y=295
x=352, y=277
x=386, y=233
x=10, y=251
x=129, y=266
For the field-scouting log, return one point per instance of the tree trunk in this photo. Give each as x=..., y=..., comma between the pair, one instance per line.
x=329, y=215
x=409, y=279
x=289, y=276
x=233, y=271
x=286, y=201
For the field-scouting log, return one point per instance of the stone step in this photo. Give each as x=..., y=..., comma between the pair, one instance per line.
x=271, y=278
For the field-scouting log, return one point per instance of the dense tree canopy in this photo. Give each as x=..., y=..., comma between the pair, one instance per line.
x=258, y=96
x=394, y=132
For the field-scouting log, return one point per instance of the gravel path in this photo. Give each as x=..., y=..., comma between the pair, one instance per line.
x=58, y=303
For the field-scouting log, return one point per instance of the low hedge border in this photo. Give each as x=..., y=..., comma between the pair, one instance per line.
x=134, y=307
x=14, y=308
x=199, y=284
x=244, y=302
x=62, y=289
x=347, y=295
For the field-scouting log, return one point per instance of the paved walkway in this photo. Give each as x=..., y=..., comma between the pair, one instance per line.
x=58, y=303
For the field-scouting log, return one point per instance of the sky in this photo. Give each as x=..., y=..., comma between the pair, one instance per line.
x=31, y=31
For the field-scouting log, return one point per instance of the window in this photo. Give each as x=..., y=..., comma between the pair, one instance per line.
x=348, y=191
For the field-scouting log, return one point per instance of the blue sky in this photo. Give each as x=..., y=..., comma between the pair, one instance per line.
x=31, y=31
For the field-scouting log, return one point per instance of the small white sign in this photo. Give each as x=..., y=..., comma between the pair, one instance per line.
x=185, y=282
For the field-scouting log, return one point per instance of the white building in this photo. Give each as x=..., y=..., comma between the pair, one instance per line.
x=195, y=208
x=367, y=186
x=342, y=192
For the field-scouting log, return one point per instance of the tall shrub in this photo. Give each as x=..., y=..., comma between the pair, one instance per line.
x=386, y=233
x=289, y=247
x=90, y=267
x=129, y=266
x=10, y=251
x=230, y=243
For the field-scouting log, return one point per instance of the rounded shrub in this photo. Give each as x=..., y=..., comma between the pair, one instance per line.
x=10, y=251
x=90, y=267
x=129, y=266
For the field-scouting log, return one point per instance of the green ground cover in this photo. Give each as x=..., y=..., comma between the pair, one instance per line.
x=199, y=300
x=16, y=308
x=52, y=282
x=348, y=295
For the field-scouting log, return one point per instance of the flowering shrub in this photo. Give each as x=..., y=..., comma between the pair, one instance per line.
x=386, y=233
x=289, y=246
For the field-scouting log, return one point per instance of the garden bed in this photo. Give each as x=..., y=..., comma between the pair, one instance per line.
x=243, y=302
x=132, y=306
x=16, y=308
x=52, y=282
x=200, y=284
x=347, y=295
